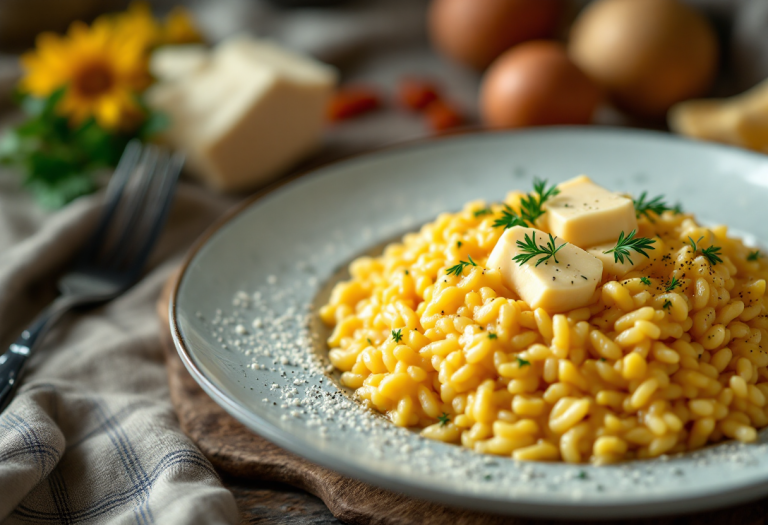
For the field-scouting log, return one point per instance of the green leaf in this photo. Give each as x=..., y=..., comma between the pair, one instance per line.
x=55, y=194
x=155, y=123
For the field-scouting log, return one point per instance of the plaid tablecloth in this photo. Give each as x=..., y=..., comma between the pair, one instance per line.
x=91, y=436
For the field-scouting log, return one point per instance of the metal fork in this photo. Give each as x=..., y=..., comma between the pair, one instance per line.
x=137, y=202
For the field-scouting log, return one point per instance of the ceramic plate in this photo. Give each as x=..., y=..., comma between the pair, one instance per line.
x=243, y=315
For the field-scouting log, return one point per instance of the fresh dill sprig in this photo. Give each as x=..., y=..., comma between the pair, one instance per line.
x=531, y=206
x=531, y=250
x=540, y=187
x=397, y=335
x=645, y=280
x=522, y=362
x=677, y=209
x=674, y=283
x=753, y=256
x=712, y=254
x=630, y=242
x=482, y=211
x=459, y=268
x=655, y=205
x=491, y=335
x=508, y=219
x=667, y=304
x=694, y=243
x=444, y=419
x=369, y=341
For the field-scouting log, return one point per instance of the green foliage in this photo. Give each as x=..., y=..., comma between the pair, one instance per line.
x=58, y=161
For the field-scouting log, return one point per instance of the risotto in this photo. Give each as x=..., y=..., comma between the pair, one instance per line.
x=459, y=331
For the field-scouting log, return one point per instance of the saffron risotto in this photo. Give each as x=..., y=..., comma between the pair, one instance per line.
x=641, y=370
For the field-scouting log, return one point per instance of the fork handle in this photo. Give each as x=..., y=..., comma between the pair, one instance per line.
x=13, y=360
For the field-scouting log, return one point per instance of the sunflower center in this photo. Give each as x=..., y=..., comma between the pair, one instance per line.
x=94, y=79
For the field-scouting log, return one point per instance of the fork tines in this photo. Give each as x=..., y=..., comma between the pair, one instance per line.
x=138, y=200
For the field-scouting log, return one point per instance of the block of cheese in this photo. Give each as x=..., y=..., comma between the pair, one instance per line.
x=246, y=113
x=555, y=286
x=172, y=62
x=613, y=267
x=586, y=214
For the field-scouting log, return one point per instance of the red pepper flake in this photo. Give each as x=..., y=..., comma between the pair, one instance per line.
x=352, y=101
x=416, y=94
x=442, y=116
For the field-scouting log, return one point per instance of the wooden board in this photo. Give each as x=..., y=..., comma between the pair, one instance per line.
x=236, y=452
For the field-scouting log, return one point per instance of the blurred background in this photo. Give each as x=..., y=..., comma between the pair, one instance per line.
x=405, y=69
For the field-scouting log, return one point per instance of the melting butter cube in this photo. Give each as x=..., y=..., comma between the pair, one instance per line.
x=586, y=214
x=555, y=286
x=243, y=112
x=613, y=267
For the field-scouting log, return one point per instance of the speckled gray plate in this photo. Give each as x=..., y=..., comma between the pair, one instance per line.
x=242, y=313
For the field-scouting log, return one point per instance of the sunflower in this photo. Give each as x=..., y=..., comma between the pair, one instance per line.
x=179, y=28
x=101, y=69
x=138, y=22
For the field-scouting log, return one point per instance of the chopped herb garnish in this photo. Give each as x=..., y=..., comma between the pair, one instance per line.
x=655, y=205
x=753, y=256
x=603, y=360
x=458, y=244
x=645, y=280
x=674, y=283
x=582, y=474
x=483, y=211
x=522, y=362
x=531, y=250
x=444, y=419
x=694, y=243
x=407, y=272
x=540, y=187
x=667, y=304
x=369, y=341
x=677, y=209
x=624, y=244
x=491, y=335
x=530, y=207
x=397, y=335
x=508, y=219
x=712, y=254
x=584, y=277
x=459, y=268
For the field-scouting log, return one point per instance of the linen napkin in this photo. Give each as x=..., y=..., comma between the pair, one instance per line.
x=91, y=436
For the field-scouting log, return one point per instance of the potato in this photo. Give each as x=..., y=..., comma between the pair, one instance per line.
x=648, y=54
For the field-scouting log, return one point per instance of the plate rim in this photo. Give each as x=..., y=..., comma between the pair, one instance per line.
x=255, y=423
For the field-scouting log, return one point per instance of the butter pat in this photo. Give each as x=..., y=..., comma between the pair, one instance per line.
x=243, y=113
x=586, y=214
x=557, y=287
x=611, y=266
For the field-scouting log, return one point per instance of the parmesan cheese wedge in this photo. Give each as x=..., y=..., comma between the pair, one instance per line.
x=555, y=286
x=245, y=112
x=586, y=214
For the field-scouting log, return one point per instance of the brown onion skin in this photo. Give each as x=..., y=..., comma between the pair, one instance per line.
x=536, y=84
x=647, y=54
x=475, y=32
